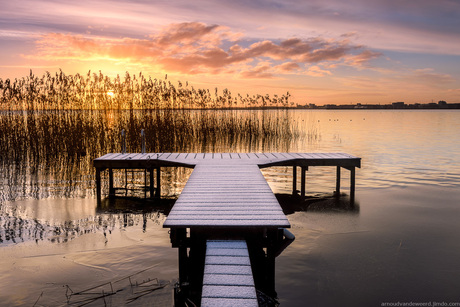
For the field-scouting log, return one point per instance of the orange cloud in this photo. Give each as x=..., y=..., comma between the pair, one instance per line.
x=288, y=67
x=195, y=47
x=316, y=71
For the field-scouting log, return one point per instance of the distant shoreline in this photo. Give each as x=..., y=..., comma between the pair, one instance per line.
x=441, y=105
x=325, y=107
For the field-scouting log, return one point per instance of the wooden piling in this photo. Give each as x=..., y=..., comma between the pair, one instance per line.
x=151, y=183
x=352, y=185
x=294, y=179
x=158, y=192
x=98, y=185
x=302, y=180
x=337, y=182
x=111, y=189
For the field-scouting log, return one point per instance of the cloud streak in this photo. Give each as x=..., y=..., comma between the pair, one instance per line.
x=193, y=48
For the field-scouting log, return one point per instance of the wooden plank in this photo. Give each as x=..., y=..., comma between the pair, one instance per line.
x=239, y=292
x=227, y=278
x=228, y=302
x=117, y=156
x=107, y=156
x=252, y=156
x=129, y=156
x=227, y=214
x=226, y=217
x=137, y=156
x=308, y=155
x=336, y=155
x=149, y=156
x=227, y=260
x=226, y=223
x=296, y=155
x=284, y=155
x=199, y=156
x=235, y=207
x=226, y=185
x=227, y=244
x=290, y=156
x=223, y=251
x=228, y=192
x=273, y=203
x=234, y=155
x=255, y=204
x=228, y=269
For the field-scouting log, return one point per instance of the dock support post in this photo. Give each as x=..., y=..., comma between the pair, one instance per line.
x=111, y=189
x=294, y=179
x=273, y=238
x=183, y=258
x=302, y=180
x=98, y=185
x=337, y=183
x=151, y=186
x=158, y=193
x=178, y=238
x=352, y=185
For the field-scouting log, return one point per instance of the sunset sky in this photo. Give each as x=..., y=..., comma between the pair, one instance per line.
x=321, y=51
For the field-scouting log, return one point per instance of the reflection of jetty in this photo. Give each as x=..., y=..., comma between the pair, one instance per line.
x=225, y=199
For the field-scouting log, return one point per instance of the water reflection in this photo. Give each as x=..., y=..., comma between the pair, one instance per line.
x=321, y=203
x=61, y=220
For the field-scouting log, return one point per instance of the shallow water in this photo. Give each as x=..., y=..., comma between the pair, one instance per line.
x=399, y=243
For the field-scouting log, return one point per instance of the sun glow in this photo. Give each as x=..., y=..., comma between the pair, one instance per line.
x=110, y=94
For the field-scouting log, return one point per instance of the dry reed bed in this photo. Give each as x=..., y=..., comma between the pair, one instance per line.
x=91, y=92
x=50, y=153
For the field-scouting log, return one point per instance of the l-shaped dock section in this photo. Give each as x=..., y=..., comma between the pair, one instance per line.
x=152, y=163
x=226, y=200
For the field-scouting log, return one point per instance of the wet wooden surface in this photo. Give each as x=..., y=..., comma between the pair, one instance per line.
x=226, y=196
x=227, y=279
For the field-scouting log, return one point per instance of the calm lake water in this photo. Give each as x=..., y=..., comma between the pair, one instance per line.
x=400, y=242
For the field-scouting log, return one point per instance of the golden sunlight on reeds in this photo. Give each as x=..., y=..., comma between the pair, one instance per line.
x=95, y=91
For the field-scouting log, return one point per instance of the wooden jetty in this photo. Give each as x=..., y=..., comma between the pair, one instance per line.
x=226, y=198
x=152, y=163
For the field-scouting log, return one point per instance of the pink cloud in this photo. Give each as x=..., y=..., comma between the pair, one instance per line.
x=316, y=71
x=429, y=76
x=195, y=47
x=259, y=72
x=288, y=67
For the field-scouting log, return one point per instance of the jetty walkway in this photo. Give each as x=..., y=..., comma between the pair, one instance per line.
x=226, y=206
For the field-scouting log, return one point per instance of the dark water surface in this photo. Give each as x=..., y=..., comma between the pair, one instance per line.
x=399, y=243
